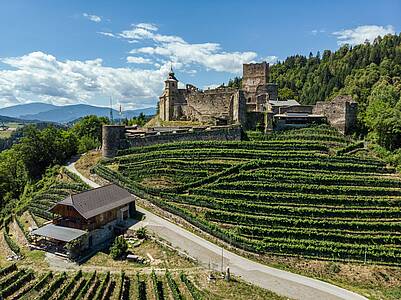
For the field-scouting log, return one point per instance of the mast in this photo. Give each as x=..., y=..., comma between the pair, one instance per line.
x=111, y=111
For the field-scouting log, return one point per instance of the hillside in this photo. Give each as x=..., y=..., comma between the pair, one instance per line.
x=65, y=114
x=34, y=276
x=288, y=193
x=352, y=70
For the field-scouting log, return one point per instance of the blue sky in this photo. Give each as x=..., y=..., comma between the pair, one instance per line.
x=65, y=52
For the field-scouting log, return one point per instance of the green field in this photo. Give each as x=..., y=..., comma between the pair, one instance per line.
x=290, y=193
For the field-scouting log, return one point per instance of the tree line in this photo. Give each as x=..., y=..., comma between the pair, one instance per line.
x=39, y=148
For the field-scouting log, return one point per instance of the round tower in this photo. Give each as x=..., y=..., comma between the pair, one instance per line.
x=113, y=137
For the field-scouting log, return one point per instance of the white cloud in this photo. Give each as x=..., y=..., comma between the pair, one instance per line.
x=360, y=34
x=92, y=18
x=317, y=31
x=176, y=49
x=147, y=26
x=38, y=76
x=109, y=34
x=138, y=60
x=272, y=59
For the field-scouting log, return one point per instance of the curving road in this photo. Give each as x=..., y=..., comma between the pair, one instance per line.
x=210, y=255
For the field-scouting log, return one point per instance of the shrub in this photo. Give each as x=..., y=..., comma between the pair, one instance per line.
x=119, y=248
x=142, y=233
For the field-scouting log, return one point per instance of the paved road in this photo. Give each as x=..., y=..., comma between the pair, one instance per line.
x=281, y=282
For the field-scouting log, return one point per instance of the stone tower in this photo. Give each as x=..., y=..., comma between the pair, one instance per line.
x=169, y=97
x=254, y=75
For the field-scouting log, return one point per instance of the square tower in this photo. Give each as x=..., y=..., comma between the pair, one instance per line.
x=254, y=75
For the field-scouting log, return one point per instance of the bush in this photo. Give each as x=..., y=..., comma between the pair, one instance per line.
x=119, y=248
x=87, y=143
x=142, y=233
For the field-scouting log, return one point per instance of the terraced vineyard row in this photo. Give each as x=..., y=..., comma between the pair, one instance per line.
x=21, y=283
x=55, y=189
x=286, y=193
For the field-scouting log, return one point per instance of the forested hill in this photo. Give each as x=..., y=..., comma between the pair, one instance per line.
x=351, y=70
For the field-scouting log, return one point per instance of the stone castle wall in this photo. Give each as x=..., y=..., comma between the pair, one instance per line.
x=340, y=112
x=112, y=142
x=204, y=105
x=226, y=133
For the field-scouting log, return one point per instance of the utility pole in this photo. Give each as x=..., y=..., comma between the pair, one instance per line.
x=111, y=111
x=222, y=259
x=120, y=113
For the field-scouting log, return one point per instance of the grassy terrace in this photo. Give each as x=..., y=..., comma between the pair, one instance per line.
x=288, y=193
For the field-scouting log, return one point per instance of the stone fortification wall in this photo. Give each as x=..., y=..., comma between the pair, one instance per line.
x=269, y=88
x=206, y=105
x=340, y=112
x=113, y=140
x=218, y=133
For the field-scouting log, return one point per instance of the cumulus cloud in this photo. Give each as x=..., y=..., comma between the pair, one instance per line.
x=92, y=18
x=39, y=76
x=42, y=77
x=176, y=49
x=360, y=34
x=138, y=60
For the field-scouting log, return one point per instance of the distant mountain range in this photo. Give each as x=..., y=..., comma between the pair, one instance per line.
x=64, y=114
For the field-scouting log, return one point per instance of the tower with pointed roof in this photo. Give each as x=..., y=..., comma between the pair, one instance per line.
x=169, y=98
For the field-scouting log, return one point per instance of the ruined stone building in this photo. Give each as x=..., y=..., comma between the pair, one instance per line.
x=222, y=105
x=226, y=111
x=255, y=104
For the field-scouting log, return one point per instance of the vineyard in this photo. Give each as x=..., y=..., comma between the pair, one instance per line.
x=22, y=283
x=305, y=192
x=54, y=187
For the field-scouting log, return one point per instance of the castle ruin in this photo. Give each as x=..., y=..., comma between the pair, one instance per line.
x=226, y=111
x=222, y=105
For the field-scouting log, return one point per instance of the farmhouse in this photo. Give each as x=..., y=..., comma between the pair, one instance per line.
x=88, y=219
